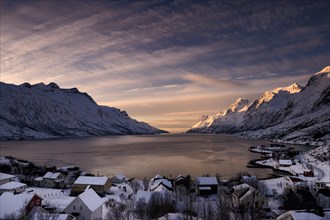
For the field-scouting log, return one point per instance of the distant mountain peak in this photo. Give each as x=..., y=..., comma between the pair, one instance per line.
x=238, y=104
x=294, y=88
x=293, y=114
x=325, y=69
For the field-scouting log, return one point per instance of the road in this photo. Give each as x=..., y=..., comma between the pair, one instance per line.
x=320, y=172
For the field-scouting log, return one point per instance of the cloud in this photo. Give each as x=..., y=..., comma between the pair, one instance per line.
x=150, y=54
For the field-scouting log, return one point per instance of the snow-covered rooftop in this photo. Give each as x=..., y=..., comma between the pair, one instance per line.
x=4, y=160
x=12, y=185
x=12, y=204
x=40, y=178
x=4, y=176
x=301, y=214
x=180, y=177
x=120, y=176
x=204, y=188
x=241, y=186
x=243, y=190
x=159, y=182
x=91, y=180
x=206, y=181
x=51, y=175
x=91, y=199
x=158, y=176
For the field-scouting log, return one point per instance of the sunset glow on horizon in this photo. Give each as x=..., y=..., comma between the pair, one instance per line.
x=165, y=62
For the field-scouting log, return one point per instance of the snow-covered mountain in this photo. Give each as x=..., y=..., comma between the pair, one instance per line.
x=291, y=114
x=47, y=111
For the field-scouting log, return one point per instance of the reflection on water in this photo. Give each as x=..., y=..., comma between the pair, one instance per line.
x=144, y=156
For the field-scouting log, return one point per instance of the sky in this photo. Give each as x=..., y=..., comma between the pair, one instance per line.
x=165, y=62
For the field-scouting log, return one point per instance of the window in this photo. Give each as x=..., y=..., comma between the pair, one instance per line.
x=80, y=207
x=74, y=207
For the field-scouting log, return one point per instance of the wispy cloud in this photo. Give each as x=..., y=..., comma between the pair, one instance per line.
x=169, y=54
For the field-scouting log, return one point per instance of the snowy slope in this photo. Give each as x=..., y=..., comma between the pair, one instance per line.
x=46, y=111
x=290, y=114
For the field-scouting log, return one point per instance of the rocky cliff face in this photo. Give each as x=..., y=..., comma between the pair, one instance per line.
x=292, y=114
x=47, y=111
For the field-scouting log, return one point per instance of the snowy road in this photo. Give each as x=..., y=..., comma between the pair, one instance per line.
x=320, y=172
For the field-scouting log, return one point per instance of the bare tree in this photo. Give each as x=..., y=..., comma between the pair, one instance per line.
x=224, y=206
x=160, y=204
x=135, y=185
x=145, y=184
x=185, y=204
x=141, y=209
x=117, y=210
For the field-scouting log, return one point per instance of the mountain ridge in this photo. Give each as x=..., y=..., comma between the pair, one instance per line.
x=293, y=114
x=48, y=111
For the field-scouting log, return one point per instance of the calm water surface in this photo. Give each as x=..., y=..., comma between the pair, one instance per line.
x=144, y=156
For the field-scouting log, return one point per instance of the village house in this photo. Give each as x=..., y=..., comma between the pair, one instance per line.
x=206, y=186
x=247, y=196
x=14, y=187
x=86, y=206
x=295, y=182
x=160, y=185
x=38, y=181
x=5, y=178
x=118, y=178
x=308, y=173
x=322, y=185
x=54, y=180
x=100, y=184
x=181, y=181
x=305, y=214
x=158, y=176
x=13, y=206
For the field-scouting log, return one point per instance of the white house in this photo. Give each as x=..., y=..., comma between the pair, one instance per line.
x=5, y=178
x=158, y=176
x=100, y=184
x=54, y=180
x=247, y=196
x=86, y=206
x=206, y=185
x=322, y=185
x=295, y=182
x=118, y=178
x=38, y=181
x=13, y=206
x=160, y=185
x=14, y=187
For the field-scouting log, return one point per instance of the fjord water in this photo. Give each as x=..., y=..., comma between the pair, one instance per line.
x=145, y=155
